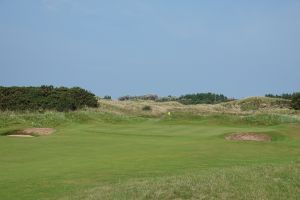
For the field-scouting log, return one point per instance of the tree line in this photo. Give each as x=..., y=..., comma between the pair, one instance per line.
x=288, y=96
x=45, y=98
x=198, y=98
x=209, y=98
x=294, y=97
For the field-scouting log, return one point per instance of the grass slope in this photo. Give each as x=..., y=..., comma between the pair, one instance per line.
x=257, y=103
x=101, y=156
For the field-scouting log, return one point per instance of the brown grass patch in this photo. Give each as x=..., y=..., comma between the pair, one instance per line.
x=248, y=137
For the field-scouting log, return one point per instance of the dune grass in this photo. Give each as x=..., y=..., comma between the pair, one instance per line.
x=95, y=155
x=251, y=105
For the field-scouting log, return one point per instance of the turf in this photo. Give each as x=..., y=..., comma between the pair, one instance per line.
x=101, y=156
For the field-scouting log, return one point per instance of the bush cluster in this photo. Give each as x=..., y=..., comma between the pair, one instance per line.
x=45, y=98
x=146, y=108
x=282, y=96
x=152, y=97
x=202, y=98
x=295, y=103
x=107, y=97
x=167, y=99
x=199, y=98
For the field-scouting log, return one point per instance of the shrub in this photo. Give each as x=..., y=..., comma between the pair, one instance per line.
x=296, y=101
x=107, y=97
x=146, y=108
x=45, y=98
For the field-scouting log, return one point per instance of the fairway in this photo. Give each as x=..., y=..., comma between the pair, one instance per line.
x=96, y=156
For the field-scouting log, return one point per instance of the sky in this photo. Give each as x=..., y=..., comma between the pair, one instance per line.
x=167, y=47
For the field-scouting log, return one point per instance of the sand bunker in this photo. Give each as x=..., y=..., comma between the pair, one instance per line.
x=30, y=132
x=20, y=135
x=248, y=137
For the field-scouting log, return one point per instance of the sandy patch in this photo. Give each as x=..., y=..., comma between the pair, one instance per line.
x=20, y=135
x=248, y=137
x=30, y=132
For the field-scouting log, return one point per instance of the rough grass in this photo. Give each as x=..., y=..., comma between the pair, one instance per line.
x=259, y=103
x=36, y=119
x=254, y=182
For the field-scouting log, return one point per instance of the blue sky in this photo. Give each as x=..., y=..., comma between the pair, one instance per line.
x=117, y=47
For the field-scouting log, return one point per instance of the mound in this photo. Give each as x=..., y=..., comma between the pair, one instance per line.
x=33, y=132
x=258, y=103
x=248, y=137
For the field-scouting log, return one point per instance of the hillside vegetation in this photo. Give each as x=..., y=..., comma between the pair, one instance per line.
x=259, y=105
x=45, y=98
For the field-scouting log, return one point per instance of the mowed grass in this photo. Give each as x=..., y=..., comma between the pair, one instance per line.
x=102, y=156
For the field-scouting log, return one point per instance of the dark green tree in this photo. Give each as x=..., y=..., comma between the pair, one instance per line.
x=296, y=101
